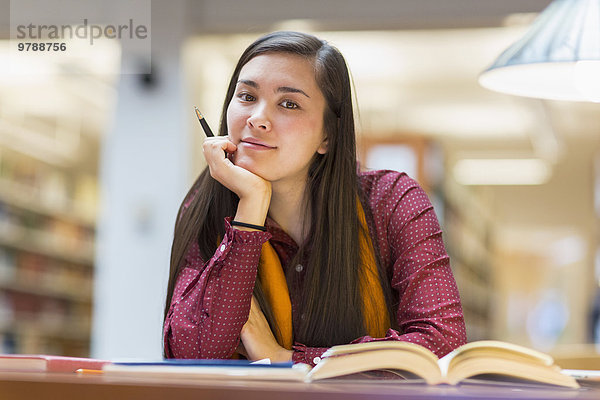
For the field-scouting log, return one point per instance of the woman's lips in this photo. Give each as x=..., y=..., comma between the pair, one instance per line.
x=256, y=144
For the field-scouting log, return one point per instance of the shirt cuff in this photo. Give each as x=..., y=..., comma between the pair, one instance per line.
x=247, y=239
x=307, y=355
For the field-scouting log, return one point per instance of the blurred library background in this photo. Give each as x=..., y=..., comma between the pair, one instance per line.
x=94, y=164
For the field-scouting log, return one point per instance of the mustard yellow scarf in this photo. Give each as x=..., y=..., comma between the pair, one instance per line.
x=276, y=291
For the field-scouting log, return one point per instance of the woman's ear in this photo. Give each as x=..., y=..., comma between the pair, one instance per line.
x=323, y=147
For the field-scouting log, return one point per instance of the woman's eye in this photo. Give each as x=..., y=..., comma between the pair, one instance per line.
x=289, y=104
x=246, y=97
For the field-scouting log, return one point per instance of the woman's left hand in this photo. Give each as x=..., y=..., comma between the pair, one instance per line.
x=258, y=340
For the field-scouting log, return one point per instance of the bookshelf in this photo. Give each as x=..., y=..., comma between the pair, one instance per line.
x=47, y=234
x=468, y=227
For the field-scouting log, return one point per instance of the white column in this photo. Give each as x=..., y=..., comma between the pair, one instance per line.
x=143, y=176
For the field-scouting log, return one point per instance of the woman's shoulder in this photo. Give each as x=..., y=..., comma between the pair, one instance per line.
x=384, y=181
x=392, y=194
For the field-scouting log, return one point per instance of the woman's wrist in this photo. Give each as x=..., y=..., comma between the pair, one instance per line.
x=245, y=225
x=283, y=355
x=253, y=210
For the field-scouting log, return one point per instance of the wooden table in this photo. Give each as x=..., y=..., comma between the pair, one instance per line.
x=17, y=386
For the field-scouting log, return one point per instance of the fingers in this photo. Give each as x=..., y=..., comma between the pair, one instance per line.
x=249, y=187
x=228, y=146
x=256, y=316
x=257, y=339
x=255, y=311
x=254, y=305
x=241, y=350
x=215, y=150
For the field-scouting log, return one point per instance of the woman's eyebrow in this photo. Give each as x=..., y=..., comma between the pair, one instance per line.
x=248, y=82
x=281, y=89
x=287, y=89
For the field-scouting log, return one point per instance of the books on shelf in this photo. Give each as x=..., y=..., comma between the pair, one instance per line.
x=47, y=363
x=486, y=359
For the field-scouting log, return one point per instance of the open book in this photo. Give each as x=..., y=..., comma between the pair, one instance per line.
x=504, y=360
x=483, y=358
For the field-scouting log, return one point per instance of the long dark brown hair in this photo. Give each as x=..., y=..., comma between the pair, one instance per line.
x=332, y=305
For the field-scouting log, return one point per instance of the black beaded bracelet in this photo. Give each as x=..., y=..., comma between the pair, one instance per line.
x=245, y=225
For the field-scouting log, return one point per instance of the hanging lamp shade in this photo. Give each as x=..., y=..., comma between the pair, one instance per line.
x=557, y=59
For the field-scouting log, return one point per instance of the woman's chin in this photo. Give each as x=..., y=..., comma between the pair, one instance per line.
x=251, y=165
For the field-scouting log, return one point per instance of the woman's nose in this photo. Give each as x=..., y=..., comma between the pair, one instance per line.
x=260, y=120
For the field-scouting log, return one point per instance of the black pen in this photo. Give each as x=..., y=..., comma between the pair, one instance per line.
x=203, y=122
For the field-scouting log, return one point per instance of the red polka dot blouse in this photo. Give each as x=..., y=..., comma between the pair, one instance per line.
x=211, y=300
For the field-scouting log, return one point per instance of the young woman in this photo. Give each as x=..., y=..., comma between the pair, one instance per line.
x=282, y=248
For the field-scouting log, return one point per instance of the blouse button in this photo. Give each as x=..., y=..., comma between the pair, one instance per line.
x=299, y=268
x=222, y=247
x=316, y=360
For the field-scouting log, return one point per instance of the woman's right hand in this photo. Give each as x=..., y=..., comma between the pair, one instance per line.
x=254, y=192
